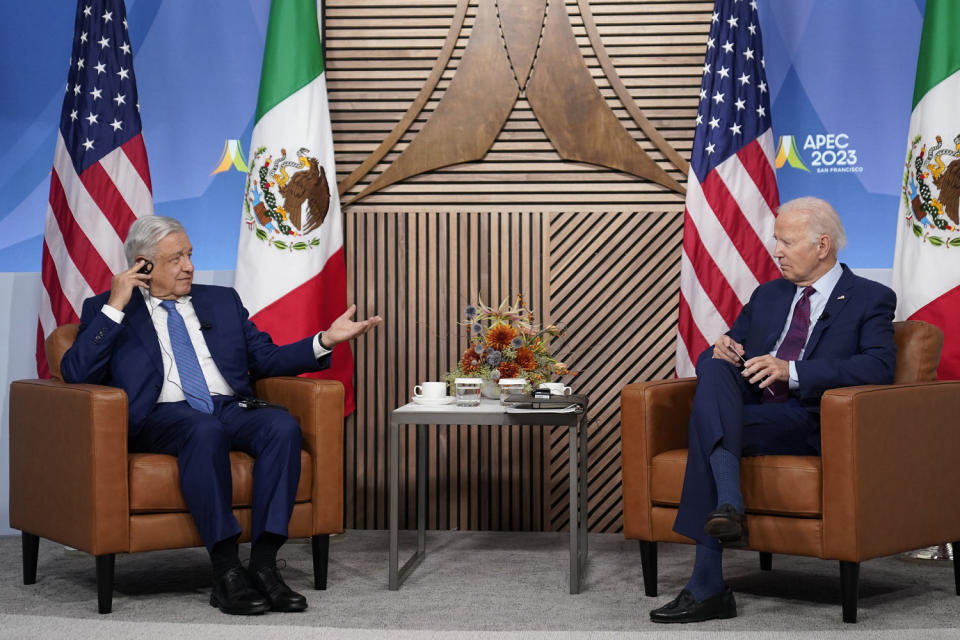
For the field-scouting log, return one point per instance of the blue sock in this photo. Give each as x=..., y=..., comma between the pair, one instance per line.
x=707, y=578
x=726, y=473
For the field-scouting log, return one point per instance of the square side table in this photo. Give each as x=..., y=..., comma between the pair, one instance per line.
x=490, y=412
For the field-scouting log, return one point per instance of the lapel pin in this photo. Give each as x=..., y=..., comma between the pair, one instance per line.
x=841, y=297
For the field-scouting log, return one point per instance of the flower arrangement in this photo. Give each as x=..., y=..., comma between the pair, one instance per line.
x=504, y=342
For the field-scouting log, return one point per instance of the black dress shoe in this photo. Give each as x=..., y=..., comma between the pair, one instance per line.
x=280, y=596
x=233, y=593
x=728, y=526
x=684, y=608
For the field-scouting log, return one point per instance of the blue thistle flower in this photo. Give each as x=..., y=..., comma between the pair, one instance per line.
x=470, y=311
x=493, y=358
x=517, y=342
x=477, y=328
x=479, y=349
x=495, y=374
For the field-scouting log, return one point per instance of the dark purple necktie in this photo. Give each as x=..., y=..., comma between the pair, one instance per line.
x=793, y=343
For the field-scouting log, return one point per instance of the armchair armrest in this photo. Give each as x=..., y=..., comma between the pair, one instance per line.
x=318, y=406
x=68, y=464
x=653, y=419
x=891, y=477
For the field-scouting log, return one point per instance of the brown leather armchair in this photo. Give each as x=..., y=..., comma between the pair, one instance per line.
x=889, y=465
x=73, y=481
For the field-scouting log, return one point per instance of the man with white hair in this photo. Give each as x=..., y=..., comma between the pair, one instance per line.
x=758, y=388
x=187, y=355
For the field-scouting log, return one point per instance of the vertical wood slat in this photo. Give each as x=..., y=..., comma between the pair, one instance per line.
x=420, y=281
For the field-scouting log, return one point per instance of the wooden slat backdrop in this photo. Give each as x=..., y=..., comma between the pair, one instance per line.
x=591, y=248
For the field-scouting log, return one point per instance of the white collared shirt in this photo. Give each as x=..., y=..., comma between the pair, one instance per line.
x=818, y=302
x=171, y=391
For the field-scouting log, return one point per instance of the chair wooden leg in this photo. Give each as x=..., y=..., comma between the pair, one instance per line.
x=849, y=589
x=648, y=562
x=321, y=555
x=766, y=561
x=955, y=548
x=31, y=548
x=105, y=582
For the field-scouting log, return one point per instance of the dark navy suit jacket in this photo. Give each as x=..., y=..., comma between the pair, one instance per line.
x=851, y=343
x=127, y=355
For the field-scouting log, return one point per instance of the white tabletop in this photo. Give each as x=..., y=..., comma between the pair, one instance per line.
x=487, y=412
x=486, y=406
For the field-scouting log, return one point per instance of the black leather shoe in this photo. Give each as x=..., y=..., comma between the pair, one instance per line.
x=233, y=593
x=685, y=609
x=280, y=596
x=728, y=526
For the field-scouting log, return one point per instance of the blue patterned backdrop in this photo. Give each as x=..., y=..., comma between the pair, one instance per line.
x=845, y=68
x=840, y=75
x=198, y=69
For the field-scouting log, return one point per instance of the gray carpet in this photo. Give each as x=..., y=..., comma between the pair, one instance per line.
x=472, y=585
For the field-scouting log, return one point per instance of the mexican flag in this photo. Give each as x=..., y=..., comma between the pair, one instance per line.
x=291, y=273
x=926, y=264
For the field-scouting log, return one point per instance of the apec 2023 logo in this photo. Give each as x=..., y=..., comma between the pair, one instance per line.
x=820, y=153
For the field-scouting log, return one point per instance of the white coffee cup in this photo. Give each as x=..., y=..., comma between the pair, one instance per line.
x=430, y=390
x=556, y=388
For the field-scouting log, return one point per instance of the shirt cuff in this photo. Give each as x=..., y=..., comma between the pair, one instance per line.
x=112, y=313
x=318, y=349
x=794, y=382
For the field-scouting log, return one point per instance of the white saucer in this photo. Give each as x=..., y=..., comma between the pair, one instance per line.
x=433, y=402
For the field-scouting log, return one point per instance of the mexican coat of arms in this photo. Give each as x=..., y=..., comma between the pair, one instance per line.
x=931, y=191
x=286, y=199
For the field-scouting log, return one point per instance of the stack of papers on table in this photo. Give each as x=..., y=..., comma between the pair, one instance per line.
x=523, y=403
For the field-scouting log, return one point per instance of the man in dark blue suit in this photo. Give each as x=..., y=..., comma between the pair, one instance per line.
x=185, y=355
x=758, y=388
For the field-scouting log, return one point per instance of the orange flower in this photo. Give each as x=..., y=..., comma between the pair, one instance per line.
x=470, y=360
x=525, y=359
x=508, y=370
x=500, y=335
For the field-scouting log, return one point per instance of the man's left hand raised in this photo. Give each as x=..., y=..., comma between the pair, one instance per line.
x=766, y=369
x=345, y=328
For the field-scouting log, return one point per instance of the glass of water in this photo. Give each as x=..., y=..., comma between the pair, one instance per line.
x=510, y=386
x=468, y=391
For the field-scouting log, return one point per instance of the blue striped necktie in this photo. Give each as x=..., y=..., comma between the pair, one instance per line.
x=191, y=376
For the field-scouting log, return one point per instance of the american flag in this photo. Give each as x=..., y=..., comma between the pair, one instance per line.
x=731, y=189
x=100, y=182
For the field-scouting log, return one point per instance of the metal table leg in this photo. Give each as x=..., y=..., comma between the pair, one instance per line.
x=399, y=574
x=575, y=511
x=584, y=518
x=394, y=507
x=421, y=490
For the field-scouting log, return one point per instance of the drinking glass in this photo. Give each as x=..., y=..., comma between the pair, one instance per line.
x=468, y=391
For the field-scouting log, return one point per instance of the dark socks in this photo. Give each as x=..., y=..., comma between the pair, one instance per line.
x=225, y=555
x=707, y=578
x=264, y=550
x=726, y=473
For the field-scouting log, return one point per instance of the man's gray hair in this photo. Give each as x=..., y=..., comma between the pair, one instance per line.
x=821, y=220
x=144, y=235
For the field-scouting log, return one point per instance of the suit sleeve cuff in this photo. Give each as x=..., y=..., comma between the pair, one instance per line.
x=318, y=349
x=113, y=314
x=794, y=382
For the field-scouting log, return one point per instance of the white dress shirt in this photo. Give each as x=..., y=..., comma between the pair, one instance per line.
x=818, y=301
x=171, y=391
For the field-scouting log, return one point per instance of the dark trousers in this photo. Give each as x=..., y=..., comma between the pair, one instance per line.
x=727, y=411
x=202, y=444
